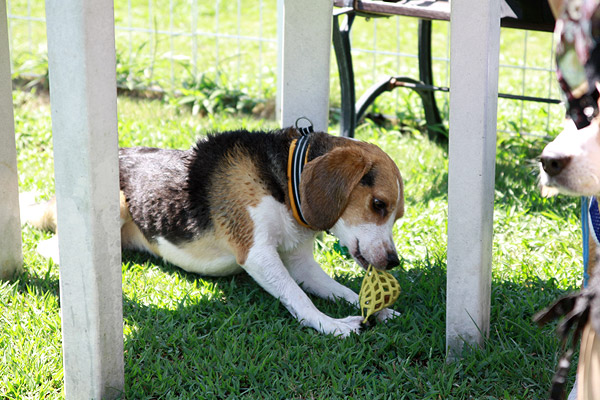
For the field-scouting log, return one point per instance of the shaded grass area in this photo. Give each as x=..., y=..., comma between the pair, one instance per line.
x=192, y=337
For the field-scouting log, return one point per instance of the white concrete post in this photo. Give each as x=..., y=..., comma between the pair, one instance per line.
x=474, y=57
x=305, y=46
x=81, y=58
x=11, y=257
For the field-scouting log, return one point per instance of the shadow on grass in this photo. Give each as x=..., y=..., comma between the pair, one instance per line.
x=39, y=284
x=239, y=341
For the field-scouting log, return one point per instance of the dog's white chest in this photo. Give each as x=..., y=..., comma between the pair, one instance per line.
x=275, y=226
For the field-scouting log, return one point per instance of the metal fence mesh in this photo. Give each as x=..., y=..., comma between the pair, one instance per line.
x=169, y=44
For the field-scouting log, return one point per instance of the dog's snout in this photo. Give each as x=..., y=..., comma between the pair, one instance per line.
x=392, y=261
x=553, y=164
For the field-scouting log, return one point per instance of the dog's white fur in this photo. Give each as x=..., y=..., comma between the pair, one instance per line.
x=581, y=176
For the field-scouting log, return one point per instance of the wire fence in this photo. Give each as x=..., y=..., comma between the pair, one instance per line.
x=165, y=43
x=388, y=47
x=170, y=44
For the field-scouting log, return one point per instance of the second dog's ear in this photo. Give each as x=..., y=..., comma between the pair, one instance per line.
x=557, y=7
x=327, y=182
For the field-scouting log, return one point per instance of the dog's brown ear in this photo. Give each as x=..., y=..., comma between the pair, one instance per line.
x=327, y=182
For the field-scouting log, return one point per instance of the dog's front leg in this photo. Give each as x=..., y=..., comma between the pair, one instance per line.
x=308, y=273
x=266, y=267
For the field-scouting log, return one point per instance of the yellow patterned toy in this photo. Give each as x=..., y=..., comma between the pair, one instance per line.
x=379, y=290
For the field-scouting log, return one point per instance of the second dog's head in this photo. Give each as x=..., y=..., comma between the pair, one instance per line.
x=571, y=163
x=356, y=192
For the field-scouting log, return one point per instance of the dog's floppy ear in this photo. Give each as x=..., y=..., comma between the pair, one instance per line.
x=557, y=7
x=327, y=182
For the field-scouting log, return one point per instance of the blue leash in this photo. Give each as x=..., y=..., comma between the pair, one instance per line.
x=585, y=231
x=590, y=215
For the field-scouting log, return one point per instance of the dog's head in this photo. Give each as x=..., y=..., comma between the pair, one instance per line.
x=571, y=163
x=356, y=192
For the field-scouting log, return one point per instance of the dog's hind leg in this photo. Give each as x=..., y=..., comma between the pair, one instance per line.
x=39, y=215
x=43, y=216
x=49, y=249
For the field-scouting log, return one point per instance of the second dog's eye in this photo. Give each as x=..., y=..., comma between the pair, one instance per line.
x=379, y=206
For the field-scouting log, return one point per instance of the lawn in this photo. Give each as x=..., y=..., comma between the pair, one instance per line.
x=193, y=337
x=188, y=336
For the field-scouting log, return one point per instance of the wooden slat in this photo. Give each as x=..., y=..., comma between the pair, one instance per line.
x=304, y=60
x=471, y=166
x=424, y=9
x=432, y=10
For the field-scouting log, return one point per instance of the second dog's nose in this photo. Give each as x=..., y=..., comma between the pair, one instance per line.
x=553, y=164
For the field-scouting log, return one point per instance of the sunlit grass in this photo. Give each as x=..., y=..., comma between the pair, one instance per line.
x=188, y=336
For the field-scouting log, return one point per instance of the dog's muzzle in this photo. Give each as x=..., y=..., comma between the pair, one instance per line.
x=553, y=163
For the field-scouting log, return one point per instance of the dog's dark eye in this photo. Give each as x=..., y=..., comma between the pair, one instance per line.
x=379, y=206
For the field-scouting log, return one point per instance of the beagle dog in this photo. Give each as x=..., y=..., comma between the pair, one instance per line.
x=255, y=201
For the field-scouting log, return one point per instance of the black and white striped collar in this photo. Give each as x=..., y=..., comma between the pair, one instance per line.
x=297, y=158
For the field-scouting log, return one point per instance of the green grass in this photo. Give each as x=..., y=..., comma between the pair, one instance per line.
x=149, y=56
x=202, y=338
x=192, y=337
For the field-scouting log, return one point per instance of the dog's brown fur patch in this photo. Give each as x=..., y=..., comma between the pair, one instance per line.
x=239, y=189
x=327, y=182
x=387, y=187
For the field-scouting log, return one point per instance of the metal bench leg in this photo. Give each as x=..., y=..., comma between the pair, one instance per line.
x=389, y=84
x=435, y=128
x=341, y=45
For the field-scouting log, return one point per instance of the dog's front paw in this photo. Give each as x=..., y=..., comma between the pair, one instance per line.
x=386, y=314
x=343, y=327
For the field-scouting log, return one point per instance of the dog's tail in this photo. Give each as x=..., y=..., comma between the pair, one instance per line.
x=39, y=215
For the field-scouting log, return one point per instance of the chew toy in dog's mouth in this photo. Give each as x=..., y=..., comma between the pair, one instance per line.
x=379, y=290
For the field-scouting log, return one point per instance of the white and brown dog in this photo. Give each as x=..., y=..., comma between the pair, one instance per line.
x=255, y=201
x=571, y=165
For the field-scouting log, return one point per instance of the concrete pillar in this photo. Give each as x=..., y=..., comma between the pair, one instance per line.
x=11, y=257
x=81, y=58
x=304, y=36
x=474, y=57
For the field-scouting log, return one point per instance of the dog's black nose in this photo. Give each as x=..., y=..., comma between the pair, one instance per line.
x=392, y=261
x=553, y=164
